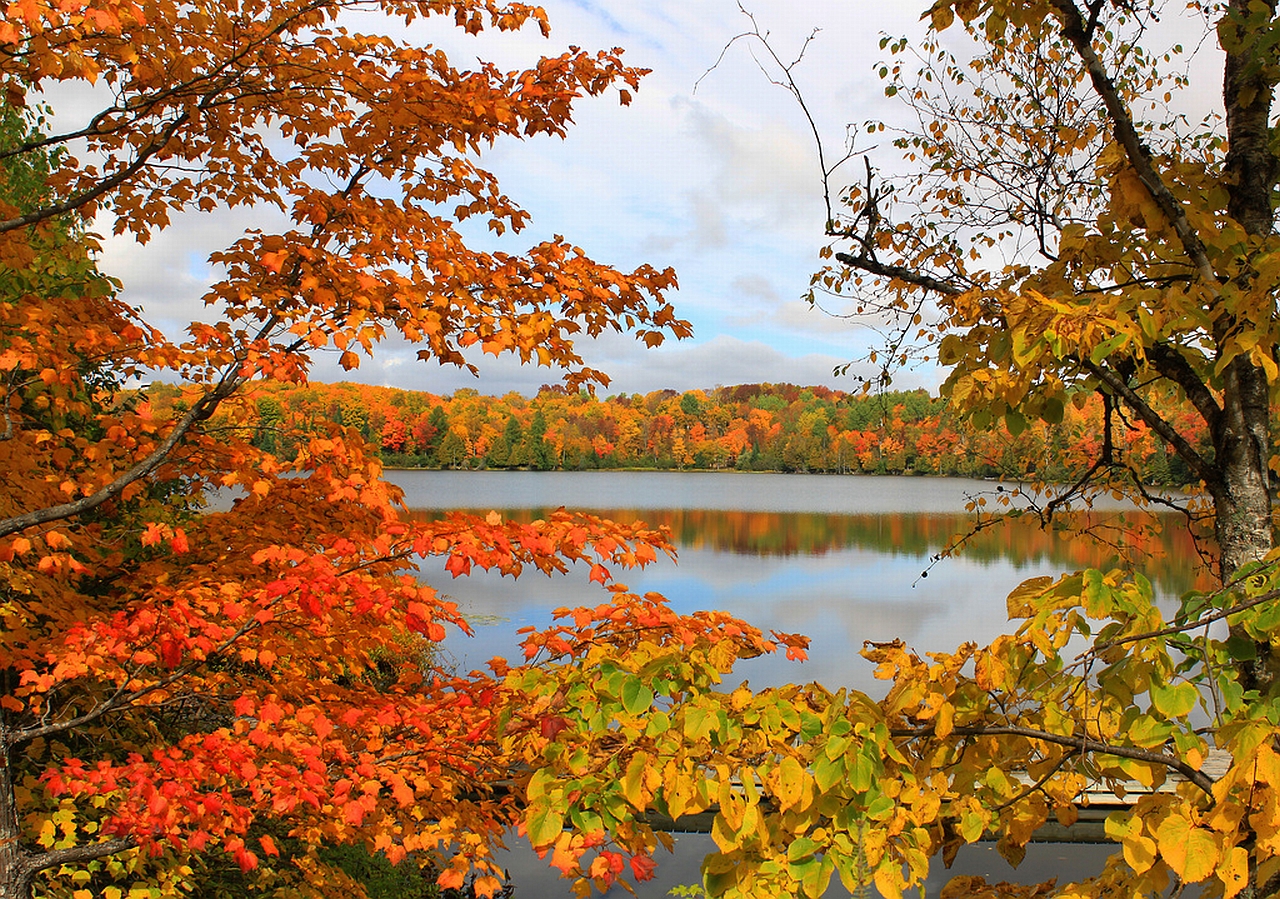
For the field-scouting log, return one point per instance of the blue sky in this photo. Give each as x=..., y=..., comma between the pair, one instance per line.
x=721, y=182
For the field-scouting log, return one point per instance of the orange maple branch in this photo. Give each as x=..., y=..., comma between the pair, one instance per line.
x=199, y=411
x=106, y=185
x=120, y=699
x=157, y=143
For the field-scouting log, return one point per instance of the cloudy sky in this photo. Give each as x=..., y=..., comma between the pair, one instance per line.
x=711, y=170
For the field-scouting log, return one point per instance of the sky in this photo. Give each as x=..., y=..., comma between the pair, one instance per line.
x=711, y=170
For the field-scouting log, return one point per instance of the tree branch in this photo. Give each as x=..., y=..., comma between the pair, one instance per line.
x=1170, y=363
x=200, y=410
x=1075, y=30
x=104, y=186
x=900, y=273
x=75, y=855
x=1190, y=625
x=1082, y=744
x=1197, y=463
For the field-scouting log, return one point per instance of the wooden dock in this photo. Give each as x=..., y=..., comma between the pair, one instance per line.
x=1094, y=805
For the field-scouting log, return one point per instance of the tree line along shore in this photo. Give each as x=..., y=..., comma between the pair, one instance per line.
x=747, y=427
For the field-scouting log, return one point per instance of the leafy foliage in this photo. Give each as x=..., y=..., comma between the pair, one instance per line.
x=182, y=679
x=749, y=427
x=208, y=650
x=1049, y=242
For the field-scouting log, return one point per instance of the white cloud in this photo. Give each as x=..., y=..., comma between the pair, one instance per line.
x=723, y=184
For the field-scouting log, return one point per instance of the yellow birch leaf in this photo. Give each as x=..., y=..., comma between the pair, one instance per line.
x=1234, y=871
x=1190, y=851
x=944, y=723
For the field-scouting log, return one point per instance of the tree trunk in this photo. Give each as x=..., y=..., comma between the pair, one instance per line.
x=15, y=873
x=1242, y=498
x=1242, y=495
x=1242, y=436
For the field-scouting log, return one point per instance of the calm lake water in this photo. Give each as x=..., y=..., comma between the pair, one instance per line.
x=842, y=559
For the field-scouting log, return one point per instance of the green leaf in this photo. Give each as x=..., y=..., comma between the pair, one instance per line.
x=636, y=695
x=1016, y=422
x=544, y=824
x=1147, y=731
x=698, y=722
x=1241, y=649
x=828, y=772
x=1096, y=594
x=1107, y=347
x=972, y=826
x=659, y=723
x=1053, y=412
x=1174, y=701
x=810, y=725
x=801, y=847
x=862, y=775
x=880, y=809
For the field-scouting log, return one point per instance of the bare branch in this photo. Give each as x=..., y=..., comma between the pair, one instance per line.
x=75, y=855
x=1075, y=30
x=1081, y=744
x=900, y=273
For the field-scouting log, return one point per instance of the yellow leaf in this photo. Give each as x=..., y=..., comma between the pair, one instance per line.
x=889, y=881
x=942, y=15
x=1234, y=871
x=633, y=781
x=1139, y=852
x=1190, y=851
x=787, y=782
x=944, y=723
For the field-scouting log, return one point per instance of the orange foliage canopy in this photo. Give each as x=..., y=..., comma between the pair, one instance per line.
x=259, y=674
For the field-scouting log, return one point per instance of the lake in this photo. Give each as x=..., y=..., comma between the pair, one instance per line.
x=842, y=559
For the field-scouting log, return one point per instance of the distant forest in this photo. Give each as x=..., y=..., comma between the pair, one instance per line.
x=749, y=427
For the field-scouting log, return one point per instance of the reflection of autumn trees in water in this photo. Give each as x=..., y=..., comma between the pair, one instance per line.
x=1160, y=545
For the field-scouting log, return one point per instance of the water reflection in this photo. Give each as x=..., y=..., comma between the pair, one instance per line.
x=847, y=572
x=1156, y=543
x=840, y=578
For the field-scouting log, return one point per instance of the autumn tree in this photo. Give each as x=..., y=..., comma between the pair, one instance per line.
x=1060, y=231
x=210, y=653
x=1077, y=233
